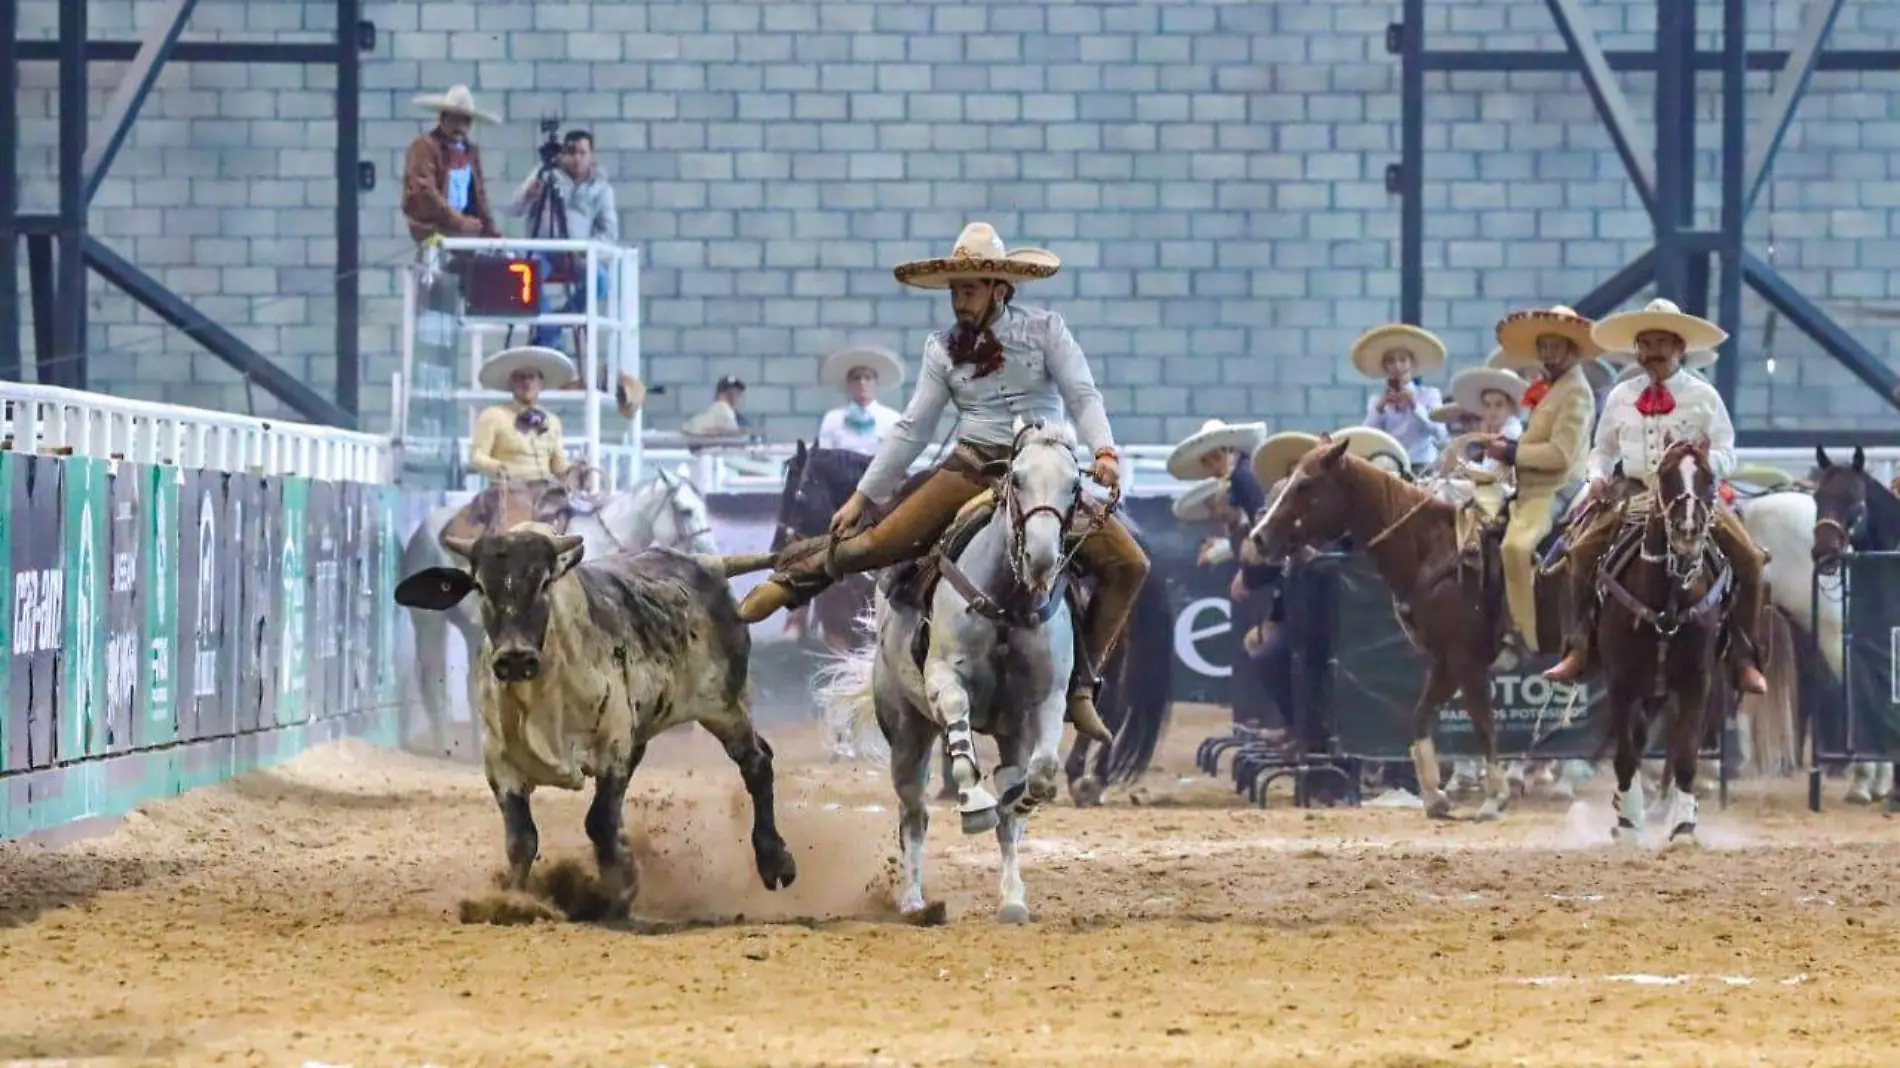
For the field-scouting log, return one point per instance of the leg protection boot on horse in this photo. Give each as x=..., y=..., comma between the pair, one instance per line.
x=1119, y=565
x=1747, y=563
x=1584, y=556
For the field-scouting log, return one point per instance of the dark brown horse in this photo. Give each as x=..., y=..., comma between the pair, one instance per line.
x=1451, y=611
x=1134, y=701
x=1665, y=592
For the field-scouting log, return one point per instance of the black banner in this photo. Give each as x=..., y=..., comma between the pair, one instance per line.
x=205, y=567
x=36, y=518
x=125, y=612
x=323, y=606
x=1872, y=663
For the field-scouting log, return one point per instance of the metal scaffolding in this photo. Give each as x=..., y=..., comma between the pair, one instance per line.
x=59, y=248
x=1680, y=260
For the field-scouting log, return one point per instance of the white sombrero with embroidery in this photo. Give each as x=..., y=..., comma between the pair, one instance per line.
x=1618, y=333
x=979, y=253
x=1469, y=386
x=1276, y=457
x=1197, y=504
x=1374, y=445
x=838, y=366
x=1518, y=333
x=552, y=364
x=1368, y=353
x=457, y=101
x=1214, y=434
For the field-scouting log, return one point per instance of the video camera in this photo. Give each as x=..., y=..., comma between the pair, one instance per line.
x=551, y=147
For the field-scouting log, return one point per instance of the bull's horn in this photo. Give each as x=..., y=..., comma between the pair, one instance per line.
x=730, y=564
x=462, y=547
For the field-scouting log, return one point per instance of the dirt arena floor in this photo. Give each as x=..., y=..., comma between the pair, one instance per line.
x=308, y=916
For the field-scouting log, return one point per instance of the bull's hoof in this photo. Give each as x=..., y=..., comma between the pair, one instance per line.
x=1086, y=791
x=1013, y=913
x=777, y=869
x=1438, y=807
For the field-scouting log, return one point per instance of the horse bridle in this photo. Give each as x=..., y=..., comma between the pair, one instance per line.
x=1694, y=510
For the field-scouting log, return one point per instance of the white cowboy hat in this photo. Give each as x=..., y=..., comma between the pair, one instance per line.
x=1448, y=413
x=1214, y=434
x=1367, y=353
x=556, y=369
x=457, y=101
x=979, y=253
x=838, y=366
x=1518, y=333
x=1276, y=457
x=1371, y=443
x=1618, y=332
x=1197, y=504
x=1469, y=386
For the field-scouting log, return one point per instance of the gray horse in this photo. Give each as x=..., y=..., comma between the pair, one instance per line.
x=666, y=509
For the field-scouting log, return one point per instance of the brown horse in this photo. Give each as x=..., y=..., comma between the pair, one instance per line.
x=1452, y=611
x=1665, y=589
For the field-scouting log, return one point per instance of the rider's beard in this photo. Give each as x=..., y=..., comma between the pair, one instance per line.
x=973, y=344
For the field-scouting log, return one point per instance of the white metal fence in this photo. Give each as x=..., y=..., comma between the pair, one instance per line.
x=48, y=419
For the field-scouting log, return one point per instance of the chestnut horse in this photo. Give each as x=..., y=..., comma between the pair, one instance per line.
x=1665, y=590
x=1451, y=611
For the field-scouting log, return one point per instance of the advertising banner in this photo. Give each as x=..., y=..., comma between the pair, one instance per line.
x=204, y=548
x=258, y=524
x=81, y=725
x=1873, y=653
x=128, y=488
x=162, y=664
x=283, y=614
x=322, y=619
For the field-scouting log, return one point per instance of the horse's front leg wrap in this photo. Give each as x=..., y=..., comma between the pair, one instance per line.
x=949, y=698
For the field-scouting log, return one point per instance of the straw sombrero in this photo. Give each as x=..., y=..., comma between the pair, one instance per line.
x=1197, y=504
x=1618, y=332
x=1469, y=386
x=457, y=101
x=1277, y=456
x=837, y=366
x=1427, y=351
x=1518, y=333
x=556, y=369
x=979, y=253
x=1371, y=443
x=1214, y=434
x=1498, y=361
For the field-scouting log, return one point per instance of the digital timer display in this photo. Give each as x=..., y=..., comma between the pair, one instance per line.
x=500, y=288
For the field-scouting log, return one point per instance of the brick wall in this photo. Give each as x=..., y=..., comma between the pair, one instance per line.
x=1210, y=172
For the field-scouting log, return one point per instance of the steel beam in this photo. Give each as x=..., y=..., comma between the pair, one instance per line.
x=220, y=342
x=1866, y=61
x=1619, y=287
x=135, y=85
x=1812, y=321
x=39, y=280
x=1817, y=21
x=1834, y=438
x=1728, y=369
x=246, y=52
x=1674, y=208
x=1412, y=164
x=69, y=306
x=1612, y=106
x=349, y=238
x=12, y=367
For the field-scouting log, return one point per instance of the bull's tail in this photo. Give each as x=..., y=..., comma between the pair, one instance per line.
x=728, y=565
x=842, y=686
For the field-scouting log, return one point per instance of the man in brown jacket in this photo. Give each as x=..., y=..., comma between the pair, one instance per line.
x=1552, y=451
x=443, y=194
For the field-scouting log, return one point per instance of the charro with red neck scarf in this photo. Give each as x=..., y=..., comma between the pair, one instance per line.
x=1641, y=418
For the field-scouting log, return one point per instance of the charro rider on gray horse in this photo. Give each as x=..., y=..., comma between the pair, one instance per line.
x=999, y=362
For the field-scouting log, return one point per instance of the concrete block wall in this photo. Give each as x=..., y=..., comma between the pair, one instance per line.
x=1211, y=173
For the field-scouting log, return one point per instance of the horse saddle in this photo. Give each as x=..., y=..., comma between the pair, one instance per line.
x=500, y=507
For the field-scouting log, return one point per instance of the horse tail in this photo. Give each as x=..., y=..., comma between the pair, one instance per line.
x=1774, y=736
x=731, y=564
x=1143, y=700
x=842, y=686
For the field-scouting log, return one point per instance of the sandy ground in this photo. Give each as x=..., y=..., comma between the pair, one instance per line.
x=308, y=916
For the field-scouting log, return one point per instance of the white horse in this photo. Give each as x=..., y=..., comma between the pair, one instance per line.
x=1000, y=649
x=1782, y=522
x=666, y=509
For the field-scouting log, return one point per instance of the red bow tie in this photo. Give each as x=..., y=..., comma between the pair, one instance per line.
x=1656, y=400
x=1536, y=393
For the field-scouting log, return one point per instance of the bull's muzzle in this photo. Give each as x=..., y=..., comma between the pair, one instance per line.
x=517, y=665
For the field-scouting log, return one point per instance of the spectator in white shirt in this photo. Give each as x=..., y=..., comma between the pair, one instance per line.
x=862, y=372
x=1396, y=353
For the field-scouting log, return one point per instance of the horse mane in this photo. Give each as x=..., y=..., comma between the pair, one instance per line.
x=1056, y=432
x=1394, y=495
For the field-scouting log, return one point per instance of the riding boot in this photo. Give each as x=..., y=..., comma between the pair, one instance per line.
x=800, y=577
x=1743, y=661
x=1084, y=685
x=1576, y=650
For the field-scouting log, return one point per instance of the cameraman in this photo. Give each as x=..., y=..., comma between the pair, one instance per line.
x=588, y=213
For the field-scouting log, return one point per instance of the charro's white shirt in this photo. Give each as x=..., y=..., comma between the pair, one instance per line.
x=1639, y=441
x=835, y=433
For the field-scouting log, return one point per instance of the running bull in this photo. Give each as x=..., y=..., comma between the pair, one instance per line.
x=584, y=663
